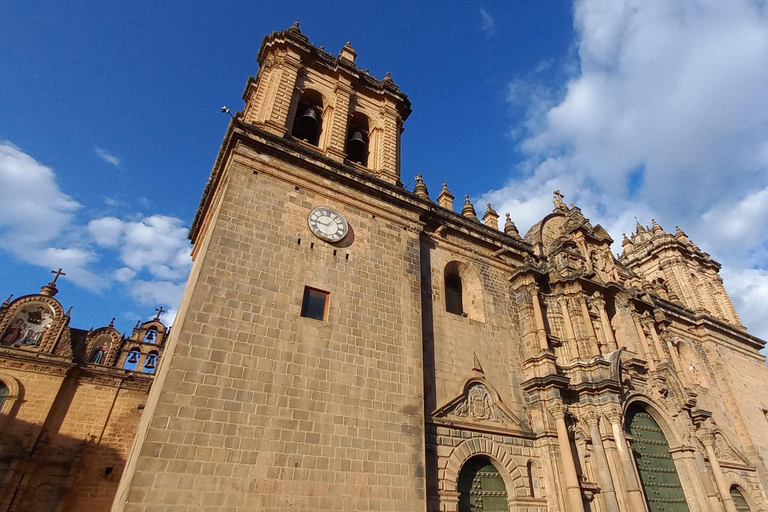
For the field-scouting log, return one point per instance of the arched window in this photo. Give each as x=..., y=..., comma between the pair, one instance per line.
x=739, y=500
x=151, y=335
x=132, y=361
x=307, y=123
x=3, y=393
x=463, y=291
x=151, y=363
x=453, y=302
x=357, y=139
x=481, y=487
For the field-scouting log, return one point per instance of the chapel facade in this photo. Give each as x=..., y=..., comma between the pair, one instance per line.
x=346, y=344
x=70, y=403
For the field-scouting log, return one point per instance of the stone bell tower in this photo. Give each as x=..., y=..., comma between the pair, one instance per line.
x=328, y=103
x=292, y=378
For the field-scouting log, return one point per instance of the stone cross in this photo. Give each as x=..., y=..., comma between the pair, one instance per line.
x=58, y=273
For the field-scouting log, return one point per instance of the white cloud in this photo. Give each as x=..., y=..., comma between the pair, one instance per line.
x=36, y=217
x=488, y=23
x=667, y=116
x=38, y=225
x=749, y=290
x=108, y=157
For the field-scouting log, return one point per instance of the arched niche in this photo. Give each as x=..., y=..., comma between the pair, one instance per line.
x=463, y=291
x=29, y=322
x=653, y=442
x=502, y=460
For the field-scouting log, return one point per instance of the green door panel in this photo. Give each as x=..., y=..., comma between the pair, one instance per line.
x=658, y=474
x=481, y=488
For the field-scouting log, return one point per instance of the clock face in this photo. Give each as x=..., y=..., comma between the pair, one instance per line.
x=328, y=224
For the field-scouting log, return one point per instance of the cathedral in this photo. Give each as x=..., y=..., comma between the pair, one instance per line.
x=70, y=403
x=346, y=344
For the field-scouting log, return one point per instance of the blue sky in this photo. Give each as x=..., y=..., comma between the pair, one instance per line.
x=110, y=122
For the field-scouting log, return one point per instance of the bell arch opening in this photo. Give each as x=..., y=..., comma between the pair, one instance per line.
x=658, y=473
x=307, y=123
x=481, y=487
x=357, y=139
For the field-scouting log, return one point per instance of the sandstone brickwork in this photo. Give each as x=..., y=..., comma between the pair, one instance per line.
x=410, y=357
x=69, y=411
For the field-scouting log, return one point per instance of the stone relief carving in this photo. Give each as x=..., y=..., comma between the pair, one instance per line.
x=478, y=403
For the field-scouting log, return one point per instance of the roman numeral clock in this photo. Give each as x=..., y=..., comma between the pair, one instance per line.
x=328, y=224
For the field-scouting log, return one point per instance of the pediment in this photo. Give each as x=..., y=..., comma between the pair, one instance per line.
x=479, y=403
x=726, y=453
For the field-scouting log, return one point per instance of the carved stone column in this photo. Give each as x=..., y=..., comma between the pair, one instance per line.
x=337, y=139
x=610, y=337
x=707, y=438
x=632, y=485
x=594, y=348
x=644, y=343
x=569, y=332
x=651, y=327
x=538, y=317
x=572, y=487
x=673, y=355
x=603, y=471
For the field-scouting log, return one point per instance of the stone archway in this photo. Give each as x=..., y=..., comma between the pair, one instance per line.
x=657, y=470
x=481, y=487
x=502, y=460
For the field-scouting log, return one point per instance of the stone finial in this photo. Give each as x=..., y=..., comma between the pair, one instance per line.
x=625, y=241
x=387, y=78
x=476, y=366
x=510, y=228
x=445, y=199
x=348, y=53
x=420, y=189
x=8, y=300
x=295, y=27
x=69, y=311
x=468, y=210
x=639, y=229
x=112, y=322
x=680, y=235
x=491, y=218
x=557, y=200
x=656, y=228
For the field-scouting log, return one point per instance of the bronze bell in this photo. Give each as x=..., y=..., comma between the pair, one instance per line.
x=133, y=357
x=357, y=148
x=150, y=362
x=306, y=126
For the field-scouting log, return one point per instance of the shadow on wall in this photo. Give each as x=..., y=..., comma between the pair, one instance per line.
x=44, y=471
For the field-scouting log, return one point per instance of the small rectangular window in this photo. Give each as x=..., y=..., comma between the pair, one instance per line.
x=315, y=304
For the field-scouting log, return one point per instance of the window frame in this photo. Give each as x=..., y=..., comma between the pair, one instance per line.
x=308, y=291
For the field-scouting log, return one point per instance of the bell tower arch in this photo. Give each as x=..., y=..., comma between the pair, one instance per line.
x=327, y=103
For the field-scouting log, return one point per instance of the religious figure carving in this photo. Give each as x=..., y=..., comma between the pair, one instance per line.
x=557, y=199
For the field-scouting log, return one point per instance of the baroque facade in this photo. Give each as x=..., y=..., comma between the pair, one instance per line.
x=346, y=344
x=70, y=403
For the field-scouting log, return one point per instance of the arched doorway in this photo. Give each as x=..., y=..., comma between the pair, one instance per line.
x=658, y=474
x=739, y=500
x=481, y=487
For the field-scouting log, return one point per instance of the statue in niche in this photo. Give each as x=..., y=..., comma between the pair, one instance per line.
x=14, y=332
x=98, y=356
